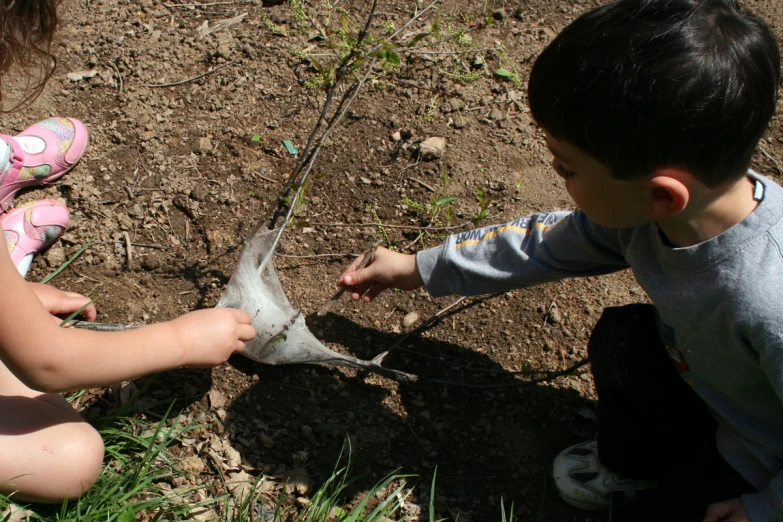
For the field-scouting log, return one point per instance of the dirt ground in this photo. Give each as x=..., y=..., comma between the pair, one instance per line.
x=177, y=172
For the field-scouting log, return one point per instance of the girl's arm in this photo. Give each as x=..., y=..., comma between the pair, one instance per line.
x=49, y=358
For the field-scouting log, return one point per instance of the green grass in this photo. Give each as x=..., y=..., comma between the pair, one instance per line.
x=139, y=464
x=138, y=459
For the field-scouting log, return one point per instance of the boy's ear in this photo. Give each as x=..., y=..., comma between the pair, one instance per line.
x=668, y=192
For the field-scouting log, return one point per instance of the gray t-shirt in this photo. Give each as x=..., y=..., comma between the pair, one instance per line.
x=720, y=305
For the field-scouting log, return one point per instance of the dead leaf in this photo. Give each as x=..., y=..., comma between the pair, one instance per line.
x=14, y=513
x=297, y=480
x=216, y=399
x=192, y=464
x=240, y=485
x=410, y=319
x=77, y=76
x=233, y=458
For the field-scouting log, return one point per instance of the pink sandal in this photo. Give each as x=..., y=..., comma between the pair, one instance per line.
x=31, y=228
x=42, y=153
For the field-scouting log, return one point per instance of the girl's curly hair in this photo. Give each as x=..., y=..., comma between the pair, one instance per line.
x=26, y=30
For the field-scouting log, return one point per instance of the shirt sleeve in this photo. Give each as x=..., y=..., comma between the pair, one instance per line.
x=766, y=504
x=531, y=250
x=767, y=341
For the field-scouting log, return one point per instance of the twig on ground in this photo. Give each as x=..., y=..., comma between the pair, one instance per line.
x=415, y=51
x=415, y=436
x=311, y=392
x=143, y=245
x=420, y=182
x=555, y=375
x=188, y=80
x=549, y=309
x=773, y=160
x=270, y=180
x=412, y=243
x=87, y=277
x=128, y=250
x=433, y=318
x=278, y=254
x=199, y=5
x=259, y=152
x=119, y=78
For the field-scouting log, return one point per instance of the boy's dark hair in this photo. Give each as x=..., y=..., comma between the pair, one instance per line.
x=26, y=30
x=643, y=84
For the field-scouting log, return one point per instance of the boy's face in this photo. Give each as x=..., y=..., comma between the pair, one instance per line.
x=607, y=201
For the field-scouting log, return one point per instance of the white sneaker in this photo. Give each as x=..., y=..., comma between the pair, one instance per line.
x=585, y=483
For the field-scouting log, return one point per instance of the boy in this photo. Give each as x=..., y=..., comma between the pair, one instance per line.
x=652, y=110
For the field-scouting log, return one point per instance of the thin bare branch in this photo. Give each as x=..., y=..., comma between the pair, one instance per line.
x=188, y=80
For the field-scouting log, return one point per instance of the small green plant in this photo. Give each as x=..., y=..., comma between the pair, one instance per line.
x=327, y=503
x=374, y=213
x=464, y=75
x=429, y=114
x=432, y=498
x=486, y=14
x=297, y=11
x=439, y=205
x=512, y=75
x=484, y=200
x=273, y=27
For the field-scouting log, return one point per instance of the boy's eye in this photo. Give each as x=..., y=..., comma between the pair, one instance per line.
x=564, y=172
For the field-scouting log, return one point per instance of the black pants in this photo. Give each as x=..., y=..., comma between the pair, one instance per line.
x=651, y=425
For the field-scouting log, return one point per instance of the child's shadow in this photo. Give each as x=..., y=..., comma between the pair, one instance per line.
x=485, y=442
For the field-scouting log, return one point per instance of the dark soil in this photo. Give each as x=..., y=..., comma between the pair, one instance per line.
x=177, y=170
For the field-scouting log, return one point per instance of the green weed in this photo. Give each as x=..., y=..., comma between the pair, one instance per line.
x=484, y=200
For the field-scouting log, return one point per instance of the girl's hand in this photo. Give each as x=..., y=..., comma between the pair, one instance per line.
x=209, y=337
x=58, y=302
x=387, y=269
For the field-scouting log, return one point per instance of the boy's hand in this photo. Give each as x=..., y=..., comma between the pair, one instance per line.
x=209, y=337
x=387, y=269
x=729, y=511
x=58, y=302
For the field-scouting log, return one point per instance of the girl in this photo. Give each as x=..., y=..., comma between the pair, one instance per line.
x=47, y=451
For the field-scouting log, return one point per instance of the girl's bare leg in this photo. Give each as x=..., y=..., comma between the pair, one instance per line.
x=47, y=451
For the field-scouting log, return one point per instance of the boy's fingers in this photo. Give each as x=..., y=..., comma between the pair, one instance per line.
x=362, y=276
x=240, y=346
x=358, y=291
x=350, y=270
x=373, y=292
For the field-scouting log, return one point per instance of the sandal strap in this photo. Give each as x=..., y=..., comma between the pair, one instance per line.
x=16, y=156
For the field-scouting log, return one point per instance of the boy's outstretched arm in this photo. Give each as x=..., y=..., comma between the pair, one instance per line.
x=386, y=269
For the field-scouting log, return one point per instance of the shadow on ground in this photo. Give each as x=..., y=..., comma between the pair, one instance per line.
x=487, y=444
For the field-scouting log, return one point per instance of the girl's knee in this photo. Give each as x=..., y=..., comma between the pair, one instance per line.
x=84, y=459
x=62, y=467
